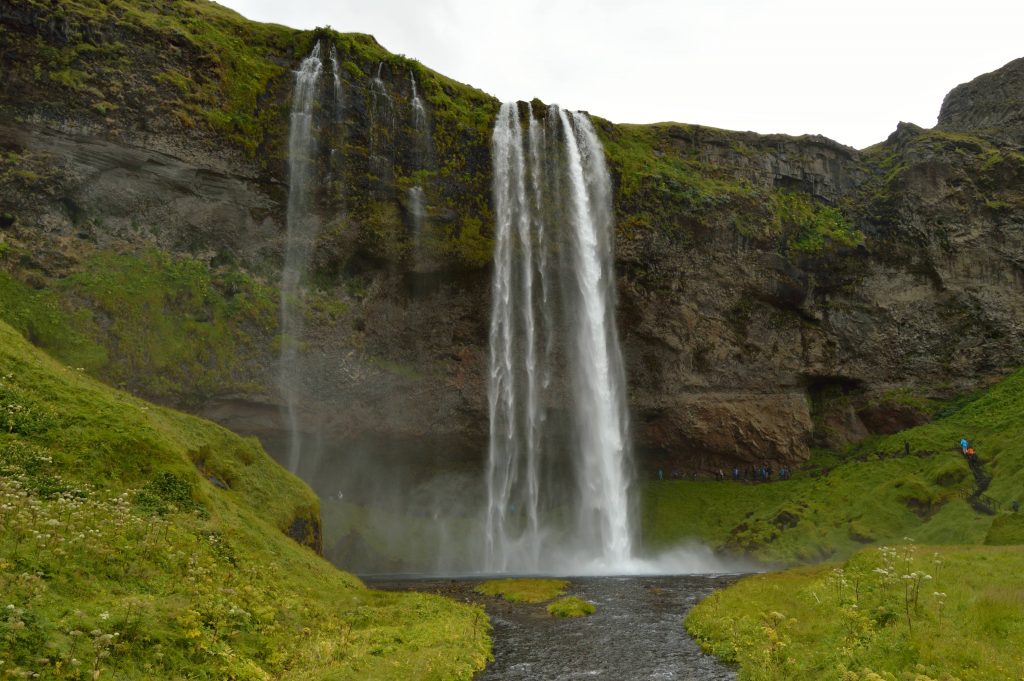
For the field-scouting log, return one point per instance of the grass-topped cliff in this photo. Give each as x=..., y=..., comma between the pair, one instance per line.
x=137, y=542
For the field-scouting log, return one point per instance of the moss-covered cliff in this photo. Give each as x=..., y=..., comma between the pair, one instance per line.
x=775, y=292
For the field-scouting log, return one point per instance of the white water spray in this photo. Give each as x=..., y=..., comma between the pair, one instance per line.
x=302, y=229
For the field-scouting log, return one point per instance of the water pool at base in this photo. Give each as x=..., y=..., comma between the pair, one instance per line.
x=636, y=634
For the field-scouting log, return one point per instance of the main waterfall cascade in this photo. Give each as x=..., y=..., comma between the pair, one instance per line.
x=557, y=478
x=302, y=231
x=555, y=496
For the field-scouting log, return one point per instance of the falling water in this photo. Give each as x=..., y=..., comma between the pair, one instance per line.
x=419, y=112
x=382, y=123
x=512, y=484
x=422, y=143
x=338, y=98
x=598, y=375
x=418, y=212
x=302, y=229
x=526, y=530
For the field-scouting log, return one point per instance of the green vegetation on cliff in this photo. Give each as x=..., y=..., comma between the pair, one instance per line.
x=165, y=327
x=196, y=60
x=666, y=183
x=138, y=542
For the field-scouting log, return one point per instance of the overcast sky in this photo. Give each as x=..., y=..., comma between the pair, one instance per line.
x=847, y=70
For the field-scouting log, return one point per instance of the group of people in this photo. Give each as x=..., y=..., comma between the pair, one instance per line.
x=967, y=449
x=762, y=473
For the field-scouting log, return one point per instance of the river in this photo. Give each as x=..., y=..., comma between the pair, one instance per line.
x=637, y=632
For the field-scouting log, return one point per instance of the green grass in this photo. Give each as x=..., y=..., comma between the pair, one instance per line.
x=902, y=612
x=169, y=328
x=119, y=557
x=871, y=493
x=571, y=606
x=523, y=590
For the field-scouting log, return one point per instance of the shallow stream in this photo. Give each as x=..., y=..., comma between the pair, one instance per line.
x=637, y=632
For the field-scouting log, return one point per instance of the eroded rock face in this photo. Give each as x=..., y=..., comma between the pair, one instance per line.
x=992, y=104
x=722, y=430
x=743, y=344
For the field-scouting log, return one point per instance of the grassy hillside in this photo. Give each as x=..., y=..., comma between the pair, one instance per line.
x=872, y=493
x=900, y=612
x=893, y=612
x=137, y=542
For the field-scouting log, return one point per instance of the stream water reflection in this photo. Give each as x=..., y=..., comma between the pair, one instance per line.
x=636, y=633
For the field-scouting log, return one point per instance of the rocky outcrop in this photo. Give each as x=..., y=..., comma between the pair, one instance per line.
x=774, y=292
x=991, y=104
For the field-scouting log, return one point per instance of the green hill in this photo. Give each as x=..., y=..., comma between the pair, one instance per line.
x=137, y=542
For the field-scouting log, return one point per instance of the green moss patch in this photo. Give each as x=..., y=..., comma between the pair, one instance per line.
x=523, y=590
x=571, y=606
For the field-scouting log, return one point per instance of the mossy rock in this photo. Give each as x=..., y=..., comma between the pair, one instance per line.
x=1006, y=530
x=571, y=606
x=523, y=590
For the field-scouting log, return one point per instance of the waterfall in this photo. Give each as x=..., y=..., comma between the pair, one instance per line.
x=382, y=123
x=512, y=481
x=338, y=96
x=533, y=320
x=418, y=211
x=422, y=144
x=598, y=375
x=301, y=232
x=419, y=112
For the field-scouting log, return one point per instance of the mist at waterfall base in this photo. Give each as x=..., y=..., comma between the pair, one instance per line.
x=553, y=495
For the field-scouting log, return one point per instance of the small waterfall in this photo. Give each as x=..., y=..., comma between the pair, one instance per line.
x=382, y=123
x=339, y=100
x=419, y=112
x=552, y=196
x=302, y=229
x=418, y=212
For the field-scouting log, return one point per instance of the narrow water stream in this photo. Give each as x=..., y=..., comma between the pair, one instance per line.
x=637, y=632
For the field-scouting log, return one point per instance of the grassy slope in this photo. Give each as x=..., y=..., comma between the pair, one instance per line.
x=117, y=555
x=852, y=623
x=871, y=495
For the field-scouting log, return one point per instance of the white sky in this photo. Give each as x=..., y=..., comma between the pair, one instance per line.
x=849, y=70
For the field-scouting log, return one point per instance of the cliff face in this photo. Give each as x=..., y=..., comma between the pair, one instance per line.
x=775, y=292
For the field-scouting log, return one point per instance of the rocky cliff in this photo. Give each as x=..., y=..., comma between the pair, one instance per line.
x=775, y=292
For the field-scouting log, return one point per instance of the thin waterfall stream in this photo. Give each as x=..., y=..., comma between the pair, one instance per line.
x=302, y=229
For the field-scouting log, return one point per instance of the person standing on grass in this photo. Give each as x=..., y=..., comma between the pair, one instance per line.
x=963, y=445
